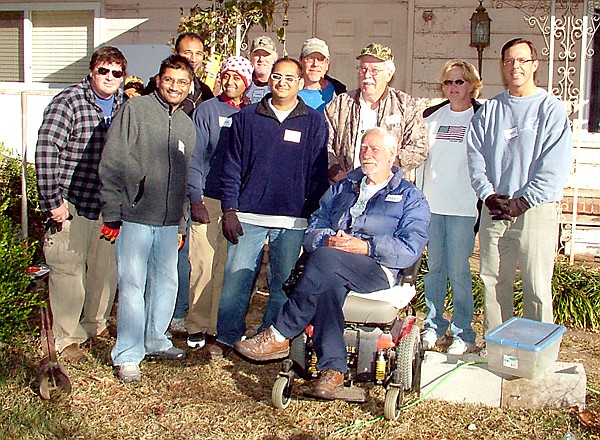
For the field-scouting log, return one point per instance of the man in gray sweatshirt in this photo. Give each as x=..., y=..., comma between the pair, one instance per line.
x=519, y=151
x=144, y=180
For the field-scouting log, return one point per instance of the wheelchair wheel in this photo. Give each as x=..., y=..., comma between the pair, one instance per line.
x=281, y=395
x=393, y=403
x=408, y=359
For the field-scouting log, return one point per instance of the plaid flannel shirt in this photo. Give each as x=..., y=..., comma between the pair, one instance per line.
x=69, y=146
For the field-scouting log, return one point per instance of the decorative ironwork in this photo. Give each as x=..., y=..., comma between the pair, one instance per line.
x=568, y=28
x=563, y=24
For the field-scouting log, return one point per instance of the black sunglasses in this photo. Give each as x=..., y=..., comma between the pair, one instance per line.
x=116, y=73
x=458, y=82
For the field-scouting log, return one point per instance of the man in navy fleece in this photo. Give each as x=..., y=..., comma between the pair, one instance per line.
x=274, y=173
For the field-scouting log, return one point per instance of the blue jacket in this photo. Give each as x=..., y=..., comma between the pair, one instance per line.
x=275, y=168
x=212, y=119
x=395, y=221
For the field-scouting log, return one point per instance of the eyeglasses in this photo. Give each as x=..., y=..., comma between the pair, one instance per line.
x=116, y=73
x=285, y=78
x=374, y=72
x=510, y=61
x=316, y=59
x=458, y=82
x=170, y=81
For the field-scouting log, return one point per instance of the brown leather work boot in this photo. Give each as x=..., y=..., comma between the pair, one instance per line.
x=263, y=347
x=72, y=354
x=328, y=384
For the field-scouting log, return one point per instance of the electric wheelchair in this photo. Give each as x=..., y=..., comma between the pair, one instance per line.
x=382, y=343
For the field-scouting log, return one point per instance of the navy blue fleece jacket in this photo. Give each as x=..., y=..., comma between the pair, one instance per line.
x=275, y=168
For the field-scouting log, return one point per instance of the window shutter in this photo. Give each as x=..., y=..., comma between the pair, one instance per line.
x=11, y=46
x=62, y=45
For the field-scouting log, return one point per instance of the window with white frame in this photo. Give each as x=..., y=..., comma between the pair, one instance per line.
x=46, y=45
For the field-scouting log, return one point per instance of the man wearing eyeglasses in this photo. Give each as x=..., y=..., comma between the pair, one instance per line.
x=374, y=104
x=519, y=154
x=70, y=141
x=144, y=186
x=274, y=173
x=319, y=88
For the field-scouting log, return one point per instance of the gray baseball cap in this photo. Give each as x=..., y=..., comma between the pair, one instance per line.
x=314, y=45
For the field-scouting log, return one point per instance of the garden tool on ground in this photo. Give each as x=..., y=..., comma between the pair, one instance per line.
x=52, y=374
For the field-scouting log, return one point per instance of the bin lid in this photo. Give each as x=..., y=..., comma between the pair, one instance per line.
x=526, y=334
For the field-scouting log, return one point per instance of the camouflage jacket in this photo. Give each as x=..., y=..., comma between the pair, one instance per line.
x=398, y=113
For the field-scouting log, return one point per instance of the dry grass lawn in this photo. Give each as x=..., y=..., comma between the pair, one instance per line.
x=230, y=399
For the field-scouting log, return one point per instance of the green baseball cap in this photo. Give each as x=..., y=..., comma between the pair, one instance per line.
x=378, y=51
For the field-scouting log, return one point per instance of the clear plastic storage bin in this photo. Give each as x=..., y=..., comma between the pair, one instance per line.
x=523, y=347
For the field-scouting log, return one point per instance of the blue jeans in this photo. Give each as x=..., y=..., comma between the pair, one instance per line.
x=451, y=241
x=319, y=297
x=241, y=270
x=147, y=278
x=183, y=272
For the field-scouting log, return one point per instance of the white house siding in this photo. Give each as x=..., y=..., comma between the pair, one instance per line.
x=142, y=30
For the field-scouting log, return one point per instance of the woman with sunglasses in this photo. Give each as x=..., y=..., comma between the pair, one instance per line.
x=444, y=178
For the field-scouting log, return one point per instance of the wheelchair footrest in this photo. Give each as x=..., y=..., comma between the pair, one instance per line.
x=352, y=394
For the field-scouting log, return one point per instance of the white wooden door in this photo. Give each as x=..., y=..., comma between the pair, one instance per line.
x=348, y=27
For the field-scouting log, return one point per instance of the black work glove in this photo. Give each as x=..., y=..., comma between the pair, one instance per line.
x=497, y=205
x=53, y=226
x=200, y=213
x=231, y=226
x=516, y=207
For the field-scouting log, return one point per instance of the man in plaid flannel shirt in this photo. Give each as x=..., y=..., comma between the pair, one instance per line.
x=70, y=141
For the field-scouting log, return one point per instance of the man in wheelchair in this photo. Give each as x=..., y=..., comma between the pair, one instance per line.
x=369, y=226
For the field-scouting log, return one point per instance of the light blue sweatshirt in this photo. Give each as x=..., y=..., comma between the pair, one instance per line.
x=520, y=146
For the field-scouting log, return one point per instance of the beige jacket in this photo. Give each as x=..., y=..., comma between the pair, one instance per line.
x=398, y=113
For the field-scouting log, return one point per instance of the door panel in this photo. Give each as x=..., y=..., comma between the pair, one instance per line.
x=348, y=27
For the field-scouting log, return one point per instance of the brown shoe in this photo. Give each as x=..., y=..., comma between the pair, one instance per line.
x=263, y=347
x=72, y=354
x=328, y=384
x=218, y=350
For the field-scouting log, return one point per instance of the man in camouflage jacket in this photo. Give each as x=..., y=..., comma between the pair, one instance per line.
x=374, y=103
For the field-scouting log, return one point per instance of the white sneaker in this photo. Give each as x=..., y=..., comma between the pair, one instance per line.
x=177, y=325
x=429, y=338
x=129, y=372
x=459, y=347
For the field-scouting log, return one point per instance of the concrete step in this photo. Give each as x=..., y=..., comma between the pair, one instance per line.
x=562, y=386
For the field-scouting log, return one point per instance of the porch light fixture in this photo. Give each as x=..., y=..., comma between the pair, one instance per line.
x=480, y=32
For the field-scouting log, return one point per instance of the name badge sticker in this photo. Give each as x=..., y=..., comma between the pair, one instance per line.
x=181, y=146
x=392, y=119
x=292, y=136
x=393, y=198
x=511, y=133
x=224, y=121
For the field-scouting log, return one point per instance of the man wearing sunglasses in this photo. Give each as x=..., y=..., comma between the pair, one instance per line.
x=70, y=142
x=374, y=104
x=144, y=187
x=274, y=173
x=519, y=148
x=444, y=179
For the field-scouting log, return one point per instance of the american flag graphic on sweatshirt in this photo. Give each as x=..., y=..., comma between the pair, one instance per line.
x=452, y=133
